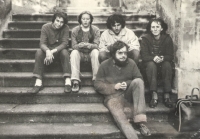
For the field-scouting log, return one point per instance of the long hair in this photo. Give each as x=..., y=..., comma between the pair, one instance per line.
x=162, y=23
x=60, y=14
x=115, y=18
x=85, y=12
x=117, y=46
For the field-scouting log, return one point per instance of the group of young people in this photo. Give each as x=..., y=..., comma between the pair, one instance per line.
x=114, y=56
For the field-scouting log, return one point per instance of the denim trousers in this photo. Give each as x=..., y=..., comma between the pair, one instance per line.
x=152, y=70
x=135, y=95
x=40, y=66
x=76, y=57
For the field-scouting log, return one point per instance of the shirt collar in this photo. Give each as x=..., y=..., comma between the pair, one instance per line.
x=122, y=32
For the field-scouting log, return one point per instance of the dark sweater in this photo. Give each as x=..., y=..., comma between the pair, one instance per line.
x=109, y=74
x=52, y=38
x=165, y=48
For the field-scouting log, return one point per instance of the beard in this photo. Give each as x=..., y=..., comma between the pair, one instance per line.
x=120, y=63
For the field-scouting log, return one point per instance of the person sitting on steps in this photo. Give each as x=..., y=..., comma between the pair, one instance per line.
x=117, y=31
x=53, y=43
x=157, y=54
x=85, y=41
x=120, y=80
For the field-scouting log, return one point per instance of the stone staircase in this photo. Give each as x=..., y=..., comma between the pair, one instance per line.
x=53, y=114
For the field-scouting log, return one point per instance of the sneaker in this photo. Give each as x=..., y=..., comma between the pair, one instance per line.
x=75, y=86
x=67, y=89
x=35, y=89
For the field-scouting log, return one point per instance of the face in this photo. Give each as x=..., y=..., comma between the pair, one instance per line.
x=85, y=20
x=58, y=23
x=121, y=54
x=116, y=28
x=156, y=28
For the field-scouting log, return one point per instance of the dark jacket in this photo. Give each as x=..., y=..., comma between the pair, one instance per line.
x=166, y=48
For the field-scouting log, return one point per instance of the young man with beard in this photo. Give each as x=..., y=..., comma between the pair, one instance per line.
x=119, y=79
x=53, y=43
x=117, y=31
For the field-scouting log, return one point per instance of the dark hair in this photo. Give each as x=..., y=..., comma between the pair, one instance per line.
x=85, y=12
x=117, y=46
x=115, y=18
x=60, y=14
x=162, y=23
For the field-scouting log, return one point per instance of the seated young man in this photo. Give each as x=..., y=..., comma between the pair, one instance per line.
x=118, y=32
x=85, y=41
x=53, y=43
x=119, y=79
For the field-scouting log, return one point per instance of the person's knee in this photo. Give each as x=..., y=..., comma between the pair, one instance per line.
x=102, y=56
x=74, y=53
x=151, y=65
x=134, y=54
x=39, y=53
x=137, y=81
x=166, y=65
x=94, y=53
x=64, y=53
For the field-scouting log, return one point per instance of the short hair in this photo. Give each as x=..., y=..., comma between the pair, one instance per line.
x=162, y=23
x=115, y=18
x=60, y=14
x=85, y=12
x=117, y=46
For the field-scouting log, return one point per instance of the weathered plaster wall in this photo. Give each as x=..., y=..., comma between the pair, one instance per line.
x=181, y=18
x=43, y=6
x=5, y=8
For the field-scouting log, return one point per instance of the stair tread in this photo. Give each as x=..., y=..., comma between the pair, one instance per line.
x=53, y=108
x=29, y=74
x=163, y=129
x=58, y=129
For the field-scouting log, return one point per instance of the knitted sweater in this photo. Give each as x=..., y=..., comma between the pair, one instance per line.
x=109, y=74
x=51, y=38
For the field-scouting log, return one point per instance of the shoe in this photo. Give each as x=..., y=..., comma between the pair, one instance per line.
x=153, y=103
x=35, y=89
x=144, y=130
x=75, y=86
x=67, y=89
x=168, y=103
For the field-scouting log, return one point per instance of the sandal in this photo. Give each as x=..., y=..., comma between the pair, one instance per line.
x=144, y=130
x=75, y=86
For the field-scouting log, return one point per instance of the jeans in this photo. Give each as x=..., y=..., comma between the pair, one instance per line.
x=76, y=57
x=166, y=71
x=40, y=66
x=135, y=95
x=133, y=54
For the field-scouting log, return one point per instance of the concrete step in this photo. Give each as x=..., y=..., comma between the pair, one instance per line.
x=15, y=25
x=35, y=33
x=27, y=65
x=160, y=130
x=54, y=95
x=24, y=79
x=54, y=113
x=73, y=17
x=59, y=131
x=49, y=95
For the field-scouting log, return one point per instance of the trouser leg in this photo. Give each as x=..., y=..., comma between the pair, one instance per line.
x=167, y=76
x=65, y=62
x=134, y=54
x=39, y=64
x=95, y=62
x=151, y=72
x=75, y=65
x=135, y=94
x=115, y=105
x=103, y=55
